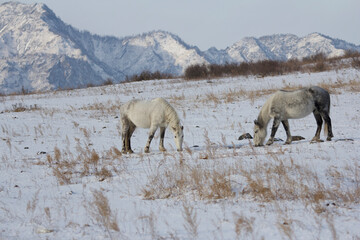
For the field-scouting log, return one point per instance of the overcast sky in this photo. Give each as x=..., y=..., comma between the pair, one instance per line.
x=212, y=23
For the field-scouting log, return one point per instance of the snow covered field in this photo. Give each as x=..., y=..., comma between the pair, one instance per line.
x=62, y=175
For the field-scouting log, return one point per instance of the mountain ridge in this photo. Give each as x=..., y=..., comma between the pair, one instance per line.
x=39, y=52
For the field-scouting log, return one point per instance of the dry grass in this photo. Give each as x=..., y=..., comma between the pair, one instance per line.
x=191, y=223
x=69, y=168
x=184, y=179
x=101, y=212
x=234, y=95
x=212, y=97
x=284, y=180
x=103, y=108
x=268, y=182
x=243, y=226
x=341, y=85
x=280, y=178
x=20, y=107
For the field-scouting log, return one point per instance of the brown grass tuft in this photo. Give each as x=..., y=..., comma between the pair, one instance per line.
x=191, y=223
x=243, y=226
x=100, y=210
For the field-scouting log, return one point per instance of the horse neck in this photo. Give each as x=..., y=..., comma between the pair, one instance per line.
x=264, y=117
x=171, y=117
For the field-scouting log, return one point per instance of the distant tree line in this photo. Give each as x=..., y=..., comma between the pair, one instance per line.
x=147, y=75
x=315, y=63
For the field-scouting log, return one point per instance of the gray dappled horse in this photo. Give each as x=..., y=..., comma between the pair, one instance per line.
x=154, y=114
x=284, y=105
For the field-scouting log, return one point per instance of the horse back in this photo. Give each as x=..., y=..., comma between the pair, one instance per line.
x=143, y=114
x=291, y=104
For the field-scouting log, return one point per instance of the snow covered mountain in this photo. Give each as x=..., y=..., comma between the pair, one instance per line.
x=280, y=47
x=39, y=52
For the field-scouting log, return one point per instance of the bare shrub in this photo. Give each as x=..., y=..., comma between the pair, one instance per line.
x=196, y=71
x=316, y=63
x=319, y=67
x=108, y=82
x=319, y=57
x=266, y=68
x=356, y=62
x=147, y=75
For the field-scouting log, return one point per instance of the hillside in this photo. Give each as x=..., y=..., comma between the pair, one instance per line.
x=62, y=175
x=39, y=52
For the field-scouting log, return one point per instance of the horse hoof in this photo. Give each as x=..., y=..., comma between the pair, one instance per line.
x=146, y=151
x=126, y=151
x=315, y=140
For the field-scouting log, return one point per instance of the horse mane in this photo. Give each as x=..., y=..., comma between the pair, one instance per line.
x=170, y=112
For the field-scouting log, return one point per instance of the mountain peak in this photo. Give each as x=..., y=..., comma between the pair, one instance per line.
x=40, y=52
x=25, y=9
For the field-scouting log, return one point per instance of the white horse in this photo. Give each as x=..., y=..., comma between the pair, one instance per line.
x=284, y=105
x=154, y=114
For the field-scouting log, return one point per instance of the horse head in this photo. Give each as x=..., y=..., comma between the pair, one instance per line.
x=179, y=136
x=259, y=134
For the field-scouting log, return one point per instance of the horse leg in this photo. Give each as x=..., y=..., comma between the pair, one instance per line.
x=124, y=142
x=319, y=123
x=273, y=131
x=125, y=136
x=286, y=125
x=328, y=127
x=151, y=136
x=132, y=128
x=162, y=135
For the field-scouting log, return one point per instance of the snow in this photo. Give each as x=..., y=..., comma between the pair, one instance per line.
x=169, y=195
